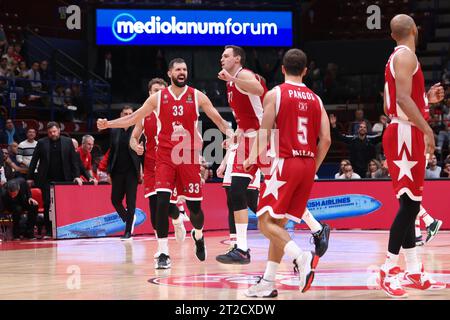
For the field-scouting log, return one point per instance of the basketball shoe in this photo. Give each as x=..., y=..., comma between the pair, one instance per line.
x=235, y=256
x=421, y=281
x=321, y=239
x=163, y=262
x=433, y=229
x=200, y=249
x=390, y=283
x=262, y=289
x=304, y=266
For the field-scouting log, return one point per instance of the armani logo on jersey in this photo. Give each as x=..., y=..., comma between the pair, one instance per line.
x=189, y=99
x=302, y=106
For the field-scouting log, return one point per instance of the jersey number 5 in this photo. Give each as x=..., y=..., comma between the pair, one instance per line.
x=302, y=130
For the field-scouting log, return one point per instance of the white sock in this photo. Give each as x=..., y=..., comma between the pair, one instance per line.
x=412, y=261
x=271, y=271
x=177, y=220
x=198, y=233
x=391, y=261
x=292, y=250
x=241, y=236
x=423, y=214
x=163, y=245
x=418, y=232
x=312, y=223
x=232, y=239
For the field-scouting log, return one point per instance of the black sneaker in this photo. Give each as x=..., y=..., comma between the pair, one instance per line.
x=321, y=239
x=235, y=256
x=433, y=229
x=419, y=241
x=126, y=236
x=200, y=249
x=163, y=262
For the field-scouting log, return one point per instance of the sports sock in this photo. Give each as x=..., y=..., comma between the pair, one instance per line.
x=241, y=236
x=271, y=271
x=412, y=261
x=312, y=223
x=427, y=219
x=163, y=245
x=292, y=250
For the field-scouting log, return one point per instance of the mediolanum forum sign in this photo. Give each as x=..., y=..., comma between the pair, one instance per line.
x=194, y=27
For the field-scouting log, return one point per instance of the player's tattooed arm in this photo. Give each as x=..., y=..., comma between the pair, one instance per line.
x=405, y=63
x=130, y=120
x=213, y=114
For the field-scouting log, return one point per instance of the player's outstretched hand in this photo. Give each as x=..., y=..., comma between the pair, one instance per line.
x=436, y=93
x=102, y=124
x=224, y=75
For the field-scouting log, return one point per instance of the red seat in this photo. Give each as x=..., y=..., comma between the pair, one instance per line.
x=36, y=194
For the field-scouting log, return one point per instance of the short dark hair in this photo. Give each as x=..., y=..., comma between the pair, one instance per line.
x=127, y=107
x=31, y=128
x=294, y=62
x=13, y=185
x=237, y=51
x=176, y=60
x=52, y=124
x=156, y=81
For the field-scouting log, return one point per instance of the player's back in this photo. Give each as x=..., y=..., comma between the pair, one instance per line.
x=418, y=94
x=298, y=118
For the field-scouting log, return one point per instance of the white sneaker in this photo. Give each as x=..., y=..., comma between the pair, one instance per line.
x=132, y=225
x=262, y=289
x=180, y=231
x=305, y=266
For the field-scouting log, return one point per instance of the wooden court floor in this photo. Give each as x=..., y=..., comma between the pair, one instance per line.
x=108, y=268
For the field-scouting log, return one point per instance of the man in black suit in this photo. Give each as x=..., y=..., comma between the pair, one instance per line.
x=17, y=200
x=124, y=169
x=58, y=162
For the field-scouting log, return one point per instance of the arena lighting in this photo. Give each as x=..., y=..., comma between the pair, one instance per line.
x=193, y=27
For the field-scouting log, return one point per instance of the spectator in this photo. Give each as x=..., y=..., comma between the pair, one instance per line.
x=445, y=173
x=85, y=174
x=379, y=127
x=361, y=146
x=433, y=171
x=23, y=70
x=35, y=75
x=26, y=148
x=348, y=173
x=59, y=96
x=17, y=53
x=105, y=68
x=2, y=176
x=87, y=143
x=359, y=117
x=442, y=130
x=4, y=70
x=266, y=70
x=374, y=166
x=45, y=74
x=17, y=200
x=58, y=162
x=10, y=133
x=12, y=167
x=9, y=55
x=341, y=168
x=383, y=172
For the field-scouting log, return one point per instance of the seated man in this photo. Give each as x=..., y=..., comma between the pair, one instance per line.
x=17, y=200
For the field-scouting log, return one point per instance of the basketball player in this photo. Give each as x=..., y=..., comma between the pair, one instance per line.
x=149, y=127
x=406, y=142
x=245, y=92
x=178, y=153
x=301, y=120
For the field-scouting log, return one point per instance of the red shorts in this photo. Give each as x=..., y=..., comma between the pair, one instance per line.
x=149, y=178
x=284, y=194
x=184, y=177
x=404, y=147
x=242, y=152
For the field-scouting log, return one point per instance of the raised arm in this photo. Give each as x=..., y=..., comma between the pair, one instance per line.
x=245, y=80
x=137, y=116
x=405, y=63
x=213, y=114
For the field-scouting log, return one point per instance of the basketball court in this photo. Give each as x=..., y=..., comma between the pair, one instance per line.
x=107, y=268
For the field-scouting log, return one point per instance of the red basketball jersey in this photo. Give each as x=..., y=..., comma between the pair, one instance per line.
x=150, y=132
x=178, y=118
x=247, y=108
x=418, y=93
x=298, y=115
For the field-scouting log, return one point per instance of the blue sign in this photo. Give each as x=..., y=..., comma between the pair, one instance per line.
x=194, y=28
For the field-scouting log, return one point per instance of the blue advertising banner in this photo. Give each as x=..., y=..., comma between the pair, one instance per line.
x=194, y=27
